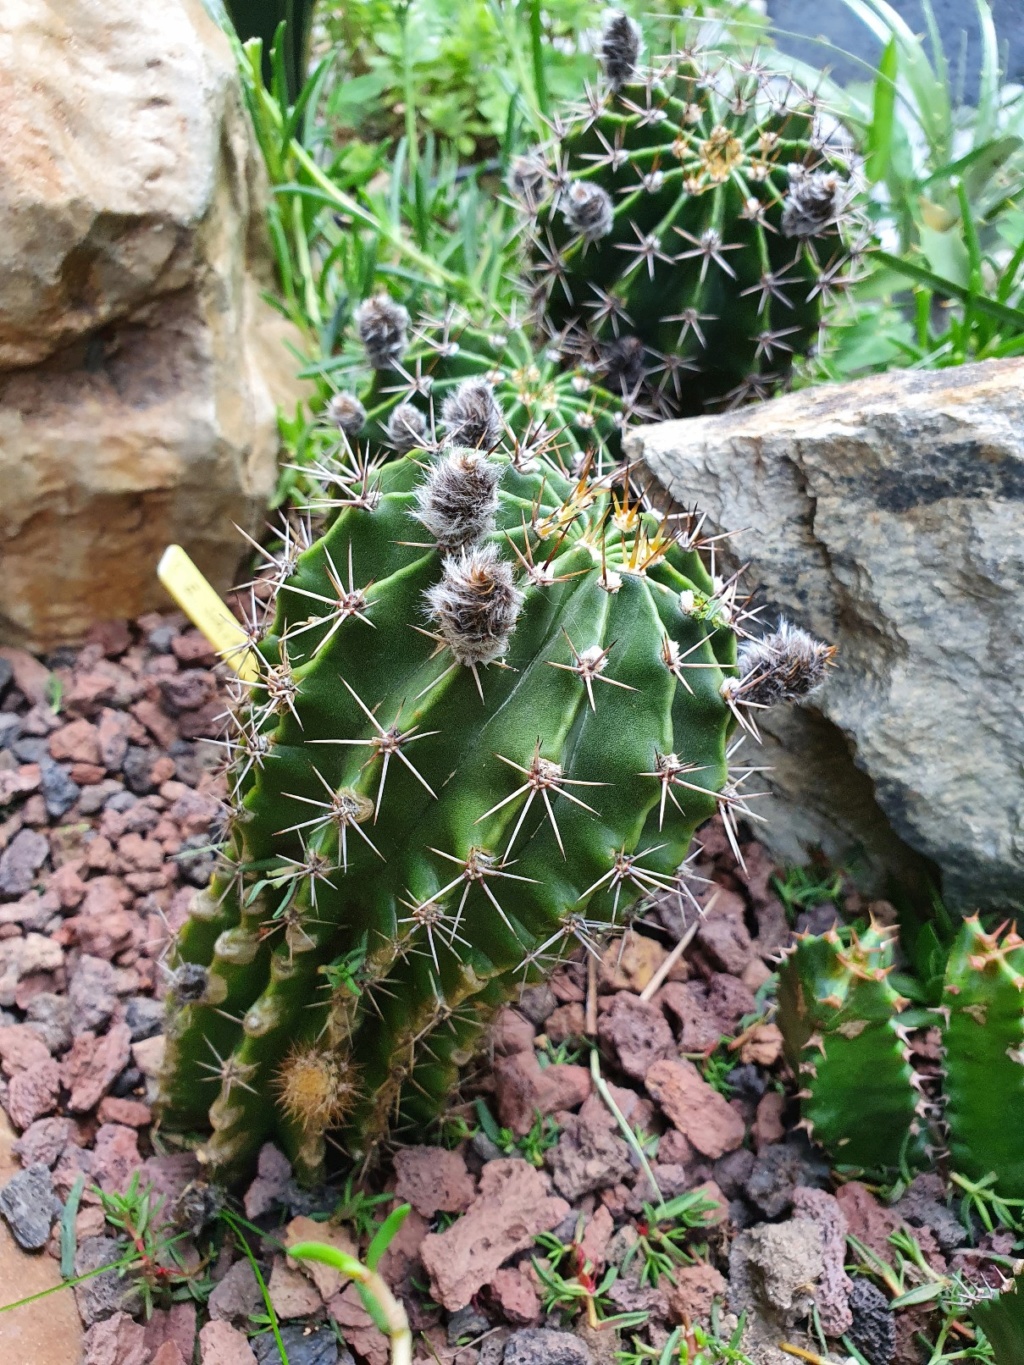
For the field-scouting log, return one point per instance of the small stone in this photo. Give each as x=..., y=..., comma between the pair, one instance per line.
x=361, y=1333
x=42, y=1142
x=566, y=1023
x=327, y=1280
x=302, y=1345
x=537, y=1002
x=768, y=1127
x=515, y=1294
x=222, y=1344
x=92, y=992
x=511, y=1032
x=433, y=1180
x=873, y=1330
x=637, y=1033
x=132, y=1113
x=525, y=1089
x=763, y=1046
x=587, y=1158
x=724, y=940
x=466, y=1324
x=102, y=1295
x=695, y=1291
x=115, y=1156
x=29, y=1206
x=512, y=1206
x=20, y=861
x=237, y=1295
x=92, y=1065
x=21, y=1049
x=77, y=742
x=148, y=1055
x=31, y=1094
x=629, y=964
x=777, y=1172
x=273, y=1174
x=291, y=1293
x=31, y=678
x=116, y=1340
x=144, y=1017
x=700, y=1113
x=544, y=1346
x=137, y=767
x=59, y=792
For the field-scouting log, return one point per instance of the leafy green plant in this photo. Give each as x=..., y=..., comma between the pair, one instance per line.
x=570, y=1283
x=802, y=888
x=154, y=1265
x=694, y=1346
x=947, y=283
x=543, y=1135
x=663, y=1236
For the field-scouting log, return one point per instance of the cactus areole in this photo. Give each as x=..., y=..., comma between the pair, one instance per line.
x=491, y=710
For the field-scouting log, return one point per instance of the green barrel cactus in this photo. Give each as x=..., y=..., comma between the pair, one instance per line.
x=846, y=1033
x=1001, y=1317
x=492, y=706
x=405, y=387
x=686, y=225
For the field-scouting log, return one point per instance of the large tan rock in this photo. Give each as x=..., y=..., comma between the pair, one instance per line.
x=140, y=368
x=886, y=516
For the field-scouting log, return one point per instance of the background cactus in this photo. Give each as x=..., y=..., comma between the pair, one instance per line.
x=492, y=707
x=847, y=1031
x=686, y=226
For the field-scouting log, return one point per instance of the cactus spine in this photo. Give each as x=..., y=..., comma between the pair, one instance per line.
x=686, y=225
x=847, y=1029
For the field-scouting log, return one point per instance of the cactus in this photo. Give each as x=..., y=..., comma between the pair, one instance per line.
x=398, y=386
x=846, y=1029
x=492, y=707
x=841, y=1020
x=686, y=225
x=1001, y=1318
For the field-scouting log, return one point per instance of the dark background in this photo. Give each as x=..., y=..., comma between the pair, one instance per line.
x=831, y=19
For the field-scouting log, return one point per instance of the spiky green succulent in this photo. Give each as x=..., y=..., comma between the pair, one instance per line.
x=491, y=708
x=687, y=223
x=1001, y=1318
x=847, y=1034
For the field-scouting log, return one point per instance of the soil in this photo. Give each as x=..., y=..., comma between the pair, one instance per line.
x=110, y=793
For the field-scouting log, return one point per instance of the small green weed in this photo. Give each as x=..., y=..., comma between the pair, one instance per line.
x=698, y=1346
x=663, y=1234
x=541, y=1138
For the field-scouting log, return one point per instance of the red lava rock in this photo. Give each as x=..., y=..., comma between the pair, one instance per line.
x=511, y=1032
x=99, y=854
x=566, y=1022
x=596, y=1236
x=169, y=1354
x=193, y=812
x=587, y=1158
x=117, y=1340
x=515, y=1294
x=763, y=1047
x=31, y=678
x=192, y=647
x=695, y=1290
x=291, y=1293
x=675, y=1149
x=177, y=1325
x=31, y=1094
x=157, y=722
x=170, y=1174
x=700, y=1113
x=139, y=854
x=130, y=1112
x=713, y=1193
x=768, y=1126
x=21, y=1049
x=92, y=1066
x=433, y=1180
x=113, y=637
x=870, y=1221
x=76, y=742
x=88, y=691
x=637, y=1033
x=724, y=939
x=112, y=737
x=42, y=1142
x=103, y=926
x=526, y=1090
x=190, y=690
x=20, y=782
x=685, y=1002
x=357, y=1327
x=67, y=884
x=236, y=1296
x=513, y=1205
x=222, y=1344
x=402, y=1257
x=273, y=1171
x=115, y=1156
x=629, y=963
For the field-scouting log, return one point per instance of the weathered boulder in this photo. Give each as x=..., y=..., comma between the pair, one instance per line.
x=887, y=516
x=140, y=366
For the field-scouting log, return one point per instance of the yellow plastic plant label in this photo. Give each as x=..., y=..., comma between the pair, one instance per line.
x=206, y=611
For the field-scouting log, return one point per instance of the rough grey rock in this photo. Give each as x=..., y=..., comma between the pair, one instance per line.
x=140, y=366
x=109, y=1292
x=773, y=1269
x=886, y=516
x=544, y=1346
x=303, y=1346
x=29, y=1206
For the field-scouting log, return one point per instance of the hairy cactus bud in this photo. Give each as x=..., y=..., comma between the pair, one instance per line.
x=471, y=415
x=458, y=501
x=814, y=203
x=527, y=178
x=621, y=42
x=782, y=667
x=588, y=210
x=476, y=605
x=382, y=325
x=406, y=429
x=346, y=413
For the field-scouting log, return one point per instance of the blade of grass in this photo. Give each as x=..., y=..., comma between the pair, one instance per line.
x=1011, y=317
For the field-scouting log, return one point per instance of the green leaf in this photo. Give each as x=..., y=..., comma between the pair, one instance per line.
x=879, y=139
